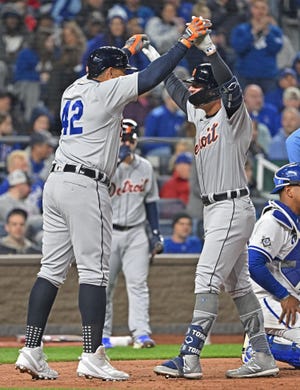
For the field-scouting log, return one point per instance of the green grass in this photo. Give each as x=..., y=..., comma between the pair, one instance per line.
x=71, y=353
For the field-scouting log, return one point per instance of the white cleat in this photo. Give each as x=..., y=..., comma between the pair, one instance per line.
x=34, y=362
x=96, y=365
x=260, y=364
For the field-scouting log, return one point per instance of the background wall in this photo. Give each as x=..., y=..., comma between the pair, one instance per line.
x=171, y=283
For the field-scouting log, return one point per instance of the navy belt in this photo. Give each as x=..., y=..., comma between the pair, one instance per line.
x=92, y=173
x=207, y=200
x=122, y=228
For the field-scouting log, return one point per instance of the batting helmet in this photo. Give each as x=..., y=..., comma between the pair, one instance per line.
x=288, y=175
x=105, y=57
x=129, y=130
x=202, y=76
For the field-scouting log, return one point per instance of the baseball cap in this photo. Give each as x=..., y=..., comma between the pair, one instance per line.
x=18, y=177
x=42, y=137
x=184, y=158
x=286, y=72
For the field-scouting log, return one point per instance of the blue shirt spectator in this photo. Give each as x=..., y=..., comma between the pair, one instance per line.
x=256, y=44
x=163, y=121
x=132, y=10
x=293, y=146
x=181, y=240
x=290, y=122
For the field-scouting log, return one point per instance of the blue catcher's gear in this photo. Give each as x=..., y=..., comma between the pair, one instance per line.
x=288, y=175
x=106, y=57
x=202, y=76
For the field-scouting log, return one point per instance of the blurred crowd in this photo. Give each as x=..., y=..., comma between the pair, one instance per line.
x=44, y=46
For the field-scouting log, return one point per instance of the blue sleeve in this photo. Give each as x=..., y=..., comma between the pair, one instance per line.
x=262, y=276
x=241, y=38
x=293, y=146
x=152, y=215
x=159, y=69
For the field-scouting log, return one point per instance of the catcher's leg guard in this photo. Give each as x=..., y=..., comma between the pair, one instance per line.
x=284, y=350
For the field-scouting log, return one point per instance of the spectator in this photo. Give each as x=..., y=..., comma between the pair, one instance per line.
x=9, y=104
x=40, y=153
x=291, y=97
x=13, y=36
x=132, y=9
x=181, y=240
x=16, y=242
x=66, y=69
x=184, y=9
x=292, y=144
x=262, y=112
x=256, y=44
x=91, y=18
x=17, y=197
x=163, y=121
x=290, y=122
x=65, y=10
x=296, y=66
x=260, y=140
x=139, y=109
x=178, y=186
x=286, y=78
x=40, y=120
x=182, y=146
x=6, y=129
x=164, y=30
x=17, y=159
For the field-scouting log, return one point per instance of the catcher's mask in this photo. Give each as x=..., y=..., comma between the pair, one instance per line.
x=288, y=175
x=129, y=131
x=202, y=76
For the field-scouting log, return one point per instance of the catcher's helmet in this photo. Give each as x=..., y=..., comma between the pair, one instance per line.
x=203, y=76
x=129, y=130
x=105, y=57
x=288, y=175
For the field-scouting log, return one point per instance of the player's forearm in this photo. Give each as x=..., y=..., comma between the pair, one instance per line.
x=221, y=71
x=262, y=276
x=152, y=215
x=159, y=69
x=177, y=91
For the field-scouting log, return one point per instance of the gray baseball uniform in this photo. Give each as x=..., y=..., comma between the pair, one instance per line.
x=96, y=146
x=132, y=186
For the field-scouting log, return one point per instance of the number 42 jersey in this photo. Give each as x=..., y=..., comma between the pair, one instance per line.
x=91, y=114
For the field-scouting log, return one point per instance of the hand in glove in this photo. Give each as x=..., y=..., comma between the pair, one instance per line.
x=156, y=243
x=124, y=152
x=136, y=43
x=151, y=53
x=205, y=43
x=195, y=29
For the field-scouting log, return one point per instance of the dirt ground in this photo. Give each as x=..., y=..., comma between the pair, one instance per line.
x=142, y=375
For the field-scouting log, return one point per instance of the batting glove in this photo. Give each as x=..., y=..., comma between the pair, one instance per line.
x=205, y=44
x=124, y=152
x=136, y=43
x=156, y=243
x=151, y=53
x=197, y=27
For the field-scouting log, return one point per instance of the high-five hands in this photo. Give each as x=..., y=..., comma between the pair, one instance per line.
x=196, y=28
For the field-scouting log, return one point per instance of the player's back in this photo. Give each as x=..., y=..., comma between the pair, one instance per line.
x=91, y=114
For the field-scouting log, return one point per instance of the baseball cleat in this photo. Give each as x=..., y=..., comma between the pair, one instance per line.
x=260, y=364
x=185, y=366
x=34, y=362
x=96, y=365
x=143, y=342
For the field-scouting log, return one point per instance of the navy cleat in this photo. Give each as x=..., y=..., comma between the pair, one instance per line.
x=185, y=366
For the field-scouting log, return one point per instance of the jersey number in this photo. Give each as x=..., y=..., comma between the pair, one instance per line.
x=75, y=112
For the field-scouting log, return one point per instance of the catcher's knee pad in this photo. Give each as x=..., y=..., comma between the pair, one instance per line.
x=284, y=350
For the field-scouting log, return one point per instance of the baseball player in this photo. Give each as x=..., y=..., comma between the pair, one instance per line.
x=274, y=253
x=77, y=207
x=214, y=103
x=134, y=195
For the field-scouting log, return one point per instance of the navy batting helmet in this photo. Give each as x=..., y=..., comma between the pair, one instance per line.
x=106, y=57
x=129, y=130
x=288, y=175
x=202, y=76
